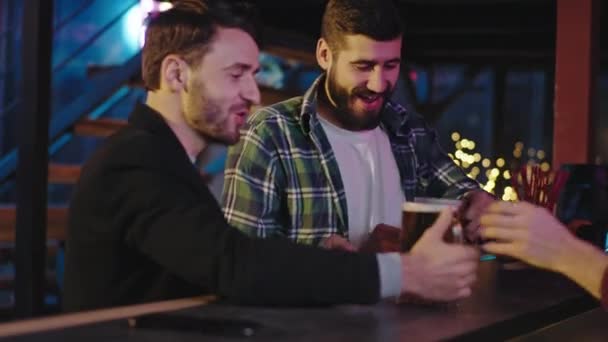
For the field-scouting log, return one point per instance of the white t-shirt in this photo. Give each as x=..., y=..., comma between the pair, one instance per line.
x=370, y=177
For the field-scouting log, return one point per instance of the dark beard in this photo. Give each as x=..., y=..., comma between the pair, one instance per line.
x=342, y=112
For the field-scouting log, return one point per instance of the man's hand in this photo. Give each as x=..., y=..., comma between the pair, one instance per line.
x=436, y=270
x=532, y=234
x=337, y=242
x=473, y=205
x=525, y=231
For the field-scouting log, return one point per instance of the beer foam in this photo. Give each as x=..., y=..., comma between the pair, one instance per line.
x=430, y=205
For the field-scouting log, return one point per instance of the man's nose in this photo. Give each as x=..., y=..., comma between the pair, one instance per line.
x=377, y=82
x=251, y=92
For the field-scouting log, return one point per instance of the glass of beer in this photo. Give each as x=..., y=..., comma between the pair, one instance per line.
x=421, y=214
x=417, y=217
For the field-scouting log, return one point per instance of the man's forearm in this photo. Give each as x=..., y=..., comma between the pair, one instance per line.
x=584, y=264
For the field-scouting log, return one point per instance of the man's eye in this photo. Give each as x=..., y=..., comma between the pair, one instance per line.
x=364, y=67
x=391, y=66
x=236, y=76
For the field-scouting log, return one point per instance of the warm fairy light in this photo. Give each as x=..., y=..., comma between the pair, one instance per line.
x=466, y=157
x=540, y=154
x=490, y=185
x=517, y=153
x=545, y=167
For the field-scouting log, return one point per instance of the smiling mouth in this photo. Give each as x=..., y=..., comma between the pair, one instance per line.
x=369, y=98
x=241, y=117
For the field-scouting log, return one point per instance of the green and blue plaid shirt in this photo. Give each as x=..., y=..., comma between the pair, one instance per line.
x=282, y=178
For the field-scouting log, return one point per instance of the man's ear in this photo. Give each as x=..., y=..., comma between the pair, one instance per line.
x=174, y=73
x=324, y=55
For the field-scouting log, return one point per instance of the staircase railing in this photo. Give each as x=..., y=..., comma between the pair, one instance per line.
x=98, y=89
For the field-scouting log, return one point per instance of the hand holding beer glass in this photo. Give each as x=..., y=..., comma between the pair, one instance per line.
x=437, y=265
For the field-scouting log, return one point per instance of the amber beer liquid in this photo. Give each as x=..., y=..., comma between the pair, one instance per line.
x=417, y=217
x=421, y=214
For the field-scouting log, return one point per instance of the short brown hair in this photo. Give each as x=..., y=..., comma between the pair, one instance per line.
x=376, y=19
x=187, y=30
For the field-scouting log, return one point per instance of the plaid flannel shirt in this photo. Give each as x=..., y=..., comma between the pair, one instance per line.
x=282, y=178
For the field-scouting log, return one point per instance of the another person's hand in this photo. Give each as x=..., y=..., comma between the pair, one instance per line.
x=474, y=204
x=436, y=270
x=337, y=242
x=525, y=231
x=532, y=234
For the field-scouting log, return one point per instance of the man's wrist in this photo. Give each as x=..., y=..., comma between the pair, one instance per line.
x=409, y=282
x=583, y=263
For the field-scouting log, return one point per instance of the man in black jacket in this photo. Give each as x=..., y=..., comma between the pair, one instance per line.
x=143, y=226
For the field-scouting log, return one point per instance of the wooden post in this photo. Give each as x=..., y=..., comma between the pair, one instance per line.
x=576, y=68
x=32, y=165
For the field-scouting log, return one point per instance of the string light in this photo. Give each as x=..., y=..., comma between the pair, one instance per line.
x=540, y=154
x=494, y=177
x=517, y=153
x=545, y=167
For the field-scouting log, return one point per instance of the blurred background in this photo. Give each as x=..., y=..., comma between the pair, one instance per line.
x=481, y=72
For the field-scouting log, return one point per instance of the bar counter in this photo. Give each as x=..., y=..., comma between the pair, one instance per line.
x=506, y=304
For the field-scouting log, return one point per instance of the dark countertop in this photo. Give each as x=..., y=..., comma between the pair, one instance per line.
x=505, y=304
x=590, y=326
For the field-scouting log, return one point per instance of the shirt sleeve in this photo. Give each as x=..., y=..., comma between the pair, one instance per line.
x=439, y=175
x=250, y=198
x=186, y=234
x=389, y=270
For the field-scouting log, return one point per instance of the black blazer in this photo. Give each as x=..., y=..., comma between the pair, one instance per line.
x=143, y=227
